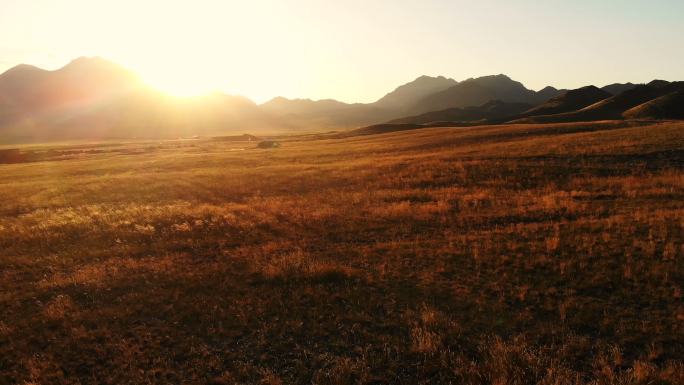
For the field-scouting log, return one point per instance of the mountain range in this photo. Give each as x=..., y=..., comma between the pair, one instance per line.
x=494, y=109
x=643, y=101
x=95, y=98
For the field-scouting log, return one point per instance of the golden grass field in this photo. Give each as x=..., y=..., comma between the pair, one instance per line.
x=549, y=254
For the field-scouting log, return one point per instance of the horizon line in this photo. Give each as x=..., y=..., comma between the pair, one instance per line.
x=304, y=98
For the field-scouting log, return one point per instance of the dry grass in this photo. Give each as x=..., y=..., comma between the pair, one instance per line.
x=299, y=266
x=491, y=255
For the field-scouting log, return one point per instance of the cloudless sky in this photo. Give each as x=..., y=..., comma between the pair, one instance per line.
x=351, y=50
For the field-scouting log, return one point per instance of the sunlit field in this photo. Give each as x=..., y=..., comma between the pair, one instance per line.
x=525, y=254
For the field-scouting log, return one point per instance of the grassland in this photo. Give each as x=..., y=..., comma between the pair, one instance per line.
x=550, y=254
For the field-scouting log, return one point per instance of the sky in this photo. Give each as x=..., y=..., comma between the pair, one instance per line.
x=350, y=50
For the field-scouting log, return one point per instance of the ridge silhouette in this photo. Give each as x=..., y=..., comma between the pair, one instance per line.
x=91, y=97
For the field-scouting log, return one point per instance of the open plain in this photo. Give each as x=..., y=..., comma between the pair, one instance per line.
x=515, y=254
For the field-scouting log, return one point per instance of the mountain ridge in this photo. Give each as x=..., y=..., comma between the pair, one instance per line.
x=93, y=97
x=612, y=108
x=491, y=110
x=477, y=91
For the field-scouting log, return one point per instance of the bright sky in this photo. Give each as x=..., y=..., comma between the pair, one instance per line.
x=351, y=50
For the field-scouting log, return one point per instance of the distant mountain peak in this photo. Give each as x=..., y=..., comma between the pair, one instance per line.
x=476, y=92
x=28, y=91
x=92, y=60
x=410, y=93
x=491, y=77
x=87, y=60
x=658, y=83
x=617, y=88
x=429, y=78
x=548, y=92
x=23, y=68
x=278, y=100
x=499, y=80
x=94, y=63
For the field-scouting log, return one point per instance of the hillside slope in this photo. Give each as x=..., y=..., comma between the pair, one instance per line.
x=492, y=110
x=568, y=101
x=613, y=107
x=407, y=95
x=670, y=106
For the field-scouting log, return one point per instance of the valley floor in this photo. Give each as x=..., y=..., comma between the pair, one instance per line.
x=524, y=254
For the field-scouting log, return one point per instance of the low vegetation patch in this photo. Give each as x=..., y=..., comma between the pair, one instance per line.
x=513, y=255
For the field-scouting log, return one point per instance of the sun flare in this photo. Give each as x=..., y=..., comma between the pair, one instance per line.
x=181, y=88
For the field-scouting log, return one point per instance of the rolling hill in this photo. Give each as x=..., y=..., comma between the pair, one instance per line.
x=499, y=112
x=611, y=108
x=670, y=106
x=491, y=110
x=658, y=99
x=569, y=101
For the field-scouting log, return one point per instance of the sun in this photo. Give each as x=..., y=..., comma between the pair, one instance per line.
x=180, y=78
x=182, y=87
